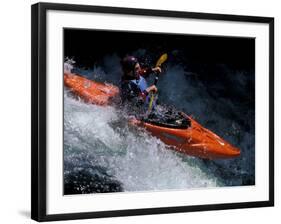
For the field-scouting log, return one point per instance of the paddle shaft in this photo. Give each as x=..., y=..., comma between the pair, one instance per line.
x=160, y=61
x=156, y=79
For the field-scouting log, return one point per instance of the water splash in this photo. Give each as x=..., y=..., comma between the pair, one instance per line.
x=100, y=138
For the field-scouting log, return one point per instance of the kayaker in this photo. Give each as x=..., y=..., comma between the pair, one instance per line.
x=134, y=87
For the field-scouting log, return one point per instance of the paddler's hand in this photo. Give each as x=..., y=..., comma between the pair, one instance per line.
x=157, y=70
x=152, y=88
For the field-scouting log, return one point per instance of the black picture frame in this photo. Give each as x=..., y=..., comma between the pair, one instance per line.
x=39, y=108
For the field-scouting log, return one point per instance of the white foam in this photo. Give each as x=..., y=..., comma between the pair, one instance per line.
x=139, y=161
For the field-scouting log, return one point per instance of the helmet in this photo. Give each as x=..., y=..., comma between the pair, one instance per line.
x=129, y=63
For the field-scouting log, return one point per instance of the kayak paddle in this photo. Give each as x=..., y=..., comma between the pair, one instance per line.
x=159, y=62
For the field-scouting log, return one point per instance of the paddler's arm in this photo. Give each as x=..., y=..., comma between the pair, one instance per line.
x=157, y=70
x=145, y=93
x=145, y=72
x=152, y=88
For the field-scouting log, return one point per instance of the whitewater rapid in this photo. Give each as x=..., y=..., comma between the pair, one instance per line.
x=99, y=141
x=103, y=154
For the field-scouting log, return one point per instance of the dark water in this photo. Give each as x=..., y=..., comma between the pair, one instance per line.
x=103, y=154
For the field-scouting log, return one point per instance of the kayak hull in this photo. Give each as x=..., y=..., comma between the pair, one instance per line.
x=194, y=140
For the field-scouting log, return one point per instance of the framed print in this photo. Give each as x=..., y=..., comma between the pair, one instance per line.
x=138, y=111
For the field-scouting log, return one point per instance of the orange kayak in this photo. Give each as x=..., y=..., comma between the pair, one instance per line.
x=90, y=91
x=192, y=139
x=195, y=140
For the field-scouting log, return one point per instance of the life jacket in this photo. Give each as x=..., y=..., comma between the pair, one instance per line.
x=131, y=88
x=142, y=86
x=141, y=83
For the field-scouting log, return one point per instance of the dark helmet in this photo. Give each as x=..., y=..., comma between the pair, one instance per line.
x=129, y=63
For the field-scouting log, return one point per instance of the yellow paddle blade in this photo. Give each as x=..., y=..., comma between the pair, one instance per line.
x=161, y=60
x=150, y=103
